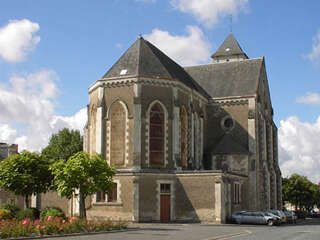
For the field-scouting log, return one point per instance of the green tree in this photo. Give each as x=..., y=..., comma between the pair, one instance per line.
x=63, y=145
x=25, y=174
x=300, y=192
x=86, y=173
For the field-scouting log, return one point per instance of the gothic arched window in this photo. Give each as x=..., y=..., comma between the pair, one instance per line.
x=184, y=137
x=118, y=134
x=156, y=135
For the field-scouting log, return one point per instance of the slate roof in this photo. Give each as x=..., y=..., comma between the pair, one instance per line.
x=229, y=78
x=229, y=47
x=228, y=145
x=145, y=60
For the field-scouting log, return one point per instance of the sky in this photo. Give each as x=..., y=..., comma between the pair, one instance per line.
x=52, y=51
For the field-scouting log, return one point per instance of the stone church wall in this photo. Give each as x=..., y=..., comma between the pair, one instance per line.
x=50, y=199
x=120, y=210
x=239, y=112
x=7, y=197
x=195, y=201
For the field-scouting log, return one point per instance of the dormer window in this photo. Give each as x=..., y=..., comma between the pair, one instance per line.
x=123, y=71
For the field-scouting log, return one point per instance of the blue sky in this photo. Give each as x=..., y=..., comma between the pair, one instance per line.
x=51, y=51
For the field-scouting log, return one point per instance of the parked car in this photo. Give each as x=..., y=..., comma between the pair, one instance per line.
x=274, y=216
x=315, y=214
x=291, y=217
x=279, y=214
x=250, y=217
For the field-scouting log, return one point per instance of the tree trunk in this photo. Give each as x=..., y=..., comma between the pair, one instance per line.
x=82, y=206
x=26, y=201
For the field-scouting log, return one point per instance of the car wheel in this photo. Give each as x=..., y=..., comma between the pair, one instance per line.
x=270, y=222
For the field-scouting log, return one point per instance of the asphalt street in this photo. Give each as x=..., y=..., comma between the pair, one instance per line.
x=305, y=230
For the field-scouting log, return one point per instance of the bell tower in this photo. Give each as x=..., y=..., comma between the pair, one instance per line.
x=229, y=51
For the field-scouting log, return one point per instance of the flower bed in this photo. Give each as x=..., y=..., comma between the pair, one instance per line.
x=27, y=227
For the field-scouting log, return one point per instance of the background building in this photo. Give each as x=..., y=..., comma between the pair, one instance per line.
x=7, y=150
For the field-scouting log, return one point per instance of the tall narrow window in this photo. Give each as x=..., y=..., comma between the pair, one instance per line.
x=118, y=134
x=236, y=193
x=113, y=193
x=197, y=140
x=184, y=137
x=156, y=143
x=100, y=196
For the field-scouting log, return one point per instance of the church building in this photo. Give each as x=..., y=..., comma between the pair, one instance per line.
x=189, y=143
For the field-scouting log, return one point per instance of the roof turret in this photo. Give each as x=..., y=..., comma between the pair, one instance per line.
x=230, y=50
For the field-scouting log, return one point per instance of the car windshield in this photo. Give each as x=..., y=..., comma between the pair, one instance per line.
x=274, y=213
x=270, y=214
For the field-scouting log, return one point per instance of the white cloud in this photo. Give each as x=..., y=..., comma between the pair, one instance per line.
x=186, y=50
x=299, y=150
x=76, y=121
x=210, y=11
x=17, y=39
x=29, y=100
x=310, y=98
x=314, y=56
x=7, y=134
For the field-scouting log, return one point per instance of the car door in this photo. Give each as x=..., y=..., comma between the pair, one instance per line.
x=260, y=218
x=245, y=217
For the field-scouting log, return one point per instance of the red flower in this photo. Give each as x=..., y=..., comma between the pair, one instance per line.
x=25, y=222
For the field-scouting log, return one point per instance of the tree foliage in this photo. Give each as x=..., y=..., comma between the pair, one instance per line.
x=63, y=145
x=86, y=173
x=25, y=174
x=300, y=192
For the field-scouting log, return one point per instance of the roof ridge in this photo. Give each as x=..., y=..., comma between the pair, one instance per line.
x=139, y=54
x=150, y=47
x=217, y=63
x=258, y=82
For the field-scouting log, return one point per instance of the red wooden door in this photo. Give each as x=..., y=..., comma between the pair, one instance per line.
x=165, y=208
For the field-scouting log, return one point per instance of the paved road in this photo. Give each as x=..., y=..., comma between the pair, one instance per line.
x=307, y=230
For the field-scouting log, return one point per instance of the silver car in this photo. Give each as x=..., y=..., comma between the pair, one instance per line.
x=249, y=217
x=279, y=213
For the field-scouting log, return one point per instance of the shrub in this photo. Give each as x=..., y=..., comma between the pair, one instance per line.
x=26, y=213
x=5, y=214
x=15, y=228
x=36, y=213
x=12, y=207
x=53, y=212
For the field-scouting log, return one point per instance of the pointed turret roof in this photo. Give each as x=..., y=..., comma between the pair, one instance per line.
x=143, y=59
x=230, y=47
